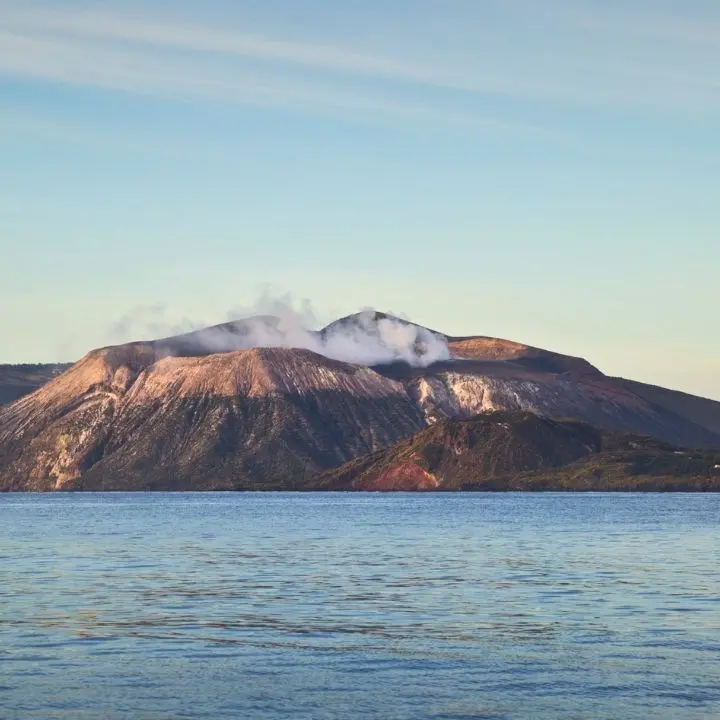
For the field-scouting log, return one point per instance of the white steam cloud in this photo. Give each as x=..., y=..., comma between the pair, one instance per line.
x=366, y=338
x=363, y=339
x=374, y=341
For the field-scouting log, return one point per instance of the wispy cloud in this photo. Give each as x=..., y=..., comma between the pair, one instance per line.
x=207, y=40
x=149, y=73
x=27, y=49
x=569, y=53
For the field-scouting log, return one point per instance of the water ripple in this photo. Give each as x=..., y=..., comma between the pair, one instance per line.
x=327, y=606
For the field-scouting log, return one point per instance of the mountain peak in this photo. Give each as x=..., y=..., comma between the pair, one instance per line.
x=368, y=320
x=263, y=402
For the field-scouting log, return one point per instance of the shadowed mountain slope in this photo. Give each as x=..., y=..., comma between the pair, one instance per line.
x=521, y=451
x=19, y=380
x=698, y=410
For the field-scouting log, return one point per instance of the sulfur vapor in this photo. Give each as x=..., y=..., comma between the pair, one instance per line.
x=363, y=339
x=366, y=338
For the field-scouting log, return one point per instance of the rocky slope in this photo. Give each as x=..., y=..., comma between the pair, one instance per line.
x=522, y=451
x=120, y=419
x=461, y=390
x=206, y=411
x=700, y=411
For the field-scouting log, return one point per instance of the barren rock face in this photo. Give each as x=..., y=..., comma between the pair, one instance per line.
x=522, y=451
x=137, y=416
x=402, y=476
x=119, y=419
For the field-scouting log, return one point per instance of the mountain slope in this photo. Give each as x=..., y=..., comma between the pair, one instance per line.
x=532, y=358
x=254, y=418
x=698, y=410
x=521, y=451
x=198, y=411
x=19, y=380
x=461, y=391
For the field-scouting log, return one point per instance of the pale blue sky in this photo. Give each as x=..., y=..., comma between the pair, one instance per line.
x=543, y=171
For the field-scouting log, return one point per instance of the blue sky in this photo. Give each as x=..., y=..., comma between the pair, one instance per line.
x=547, y=172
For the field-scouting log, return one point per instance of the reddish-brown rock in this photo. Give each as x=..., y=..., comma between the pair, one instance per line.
x=404, y=476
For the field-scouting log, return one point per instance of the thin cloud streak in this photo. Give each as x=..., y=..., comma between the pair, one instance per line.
x=150, y=73
x=208, y=40
x=586, y=67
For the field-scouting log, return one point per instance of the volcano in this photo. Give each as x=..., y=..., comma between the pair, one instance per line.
x=255, y=404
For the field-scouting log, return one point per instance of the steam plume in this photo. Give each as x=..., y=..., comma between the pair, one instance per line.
x=367, y=338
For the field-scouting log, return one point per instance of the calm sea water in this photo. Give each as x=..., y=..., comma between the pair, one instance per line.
x=359, y=606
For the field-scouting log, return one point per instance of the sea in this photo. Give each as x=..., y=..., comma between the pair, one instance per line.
x=394, y=606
